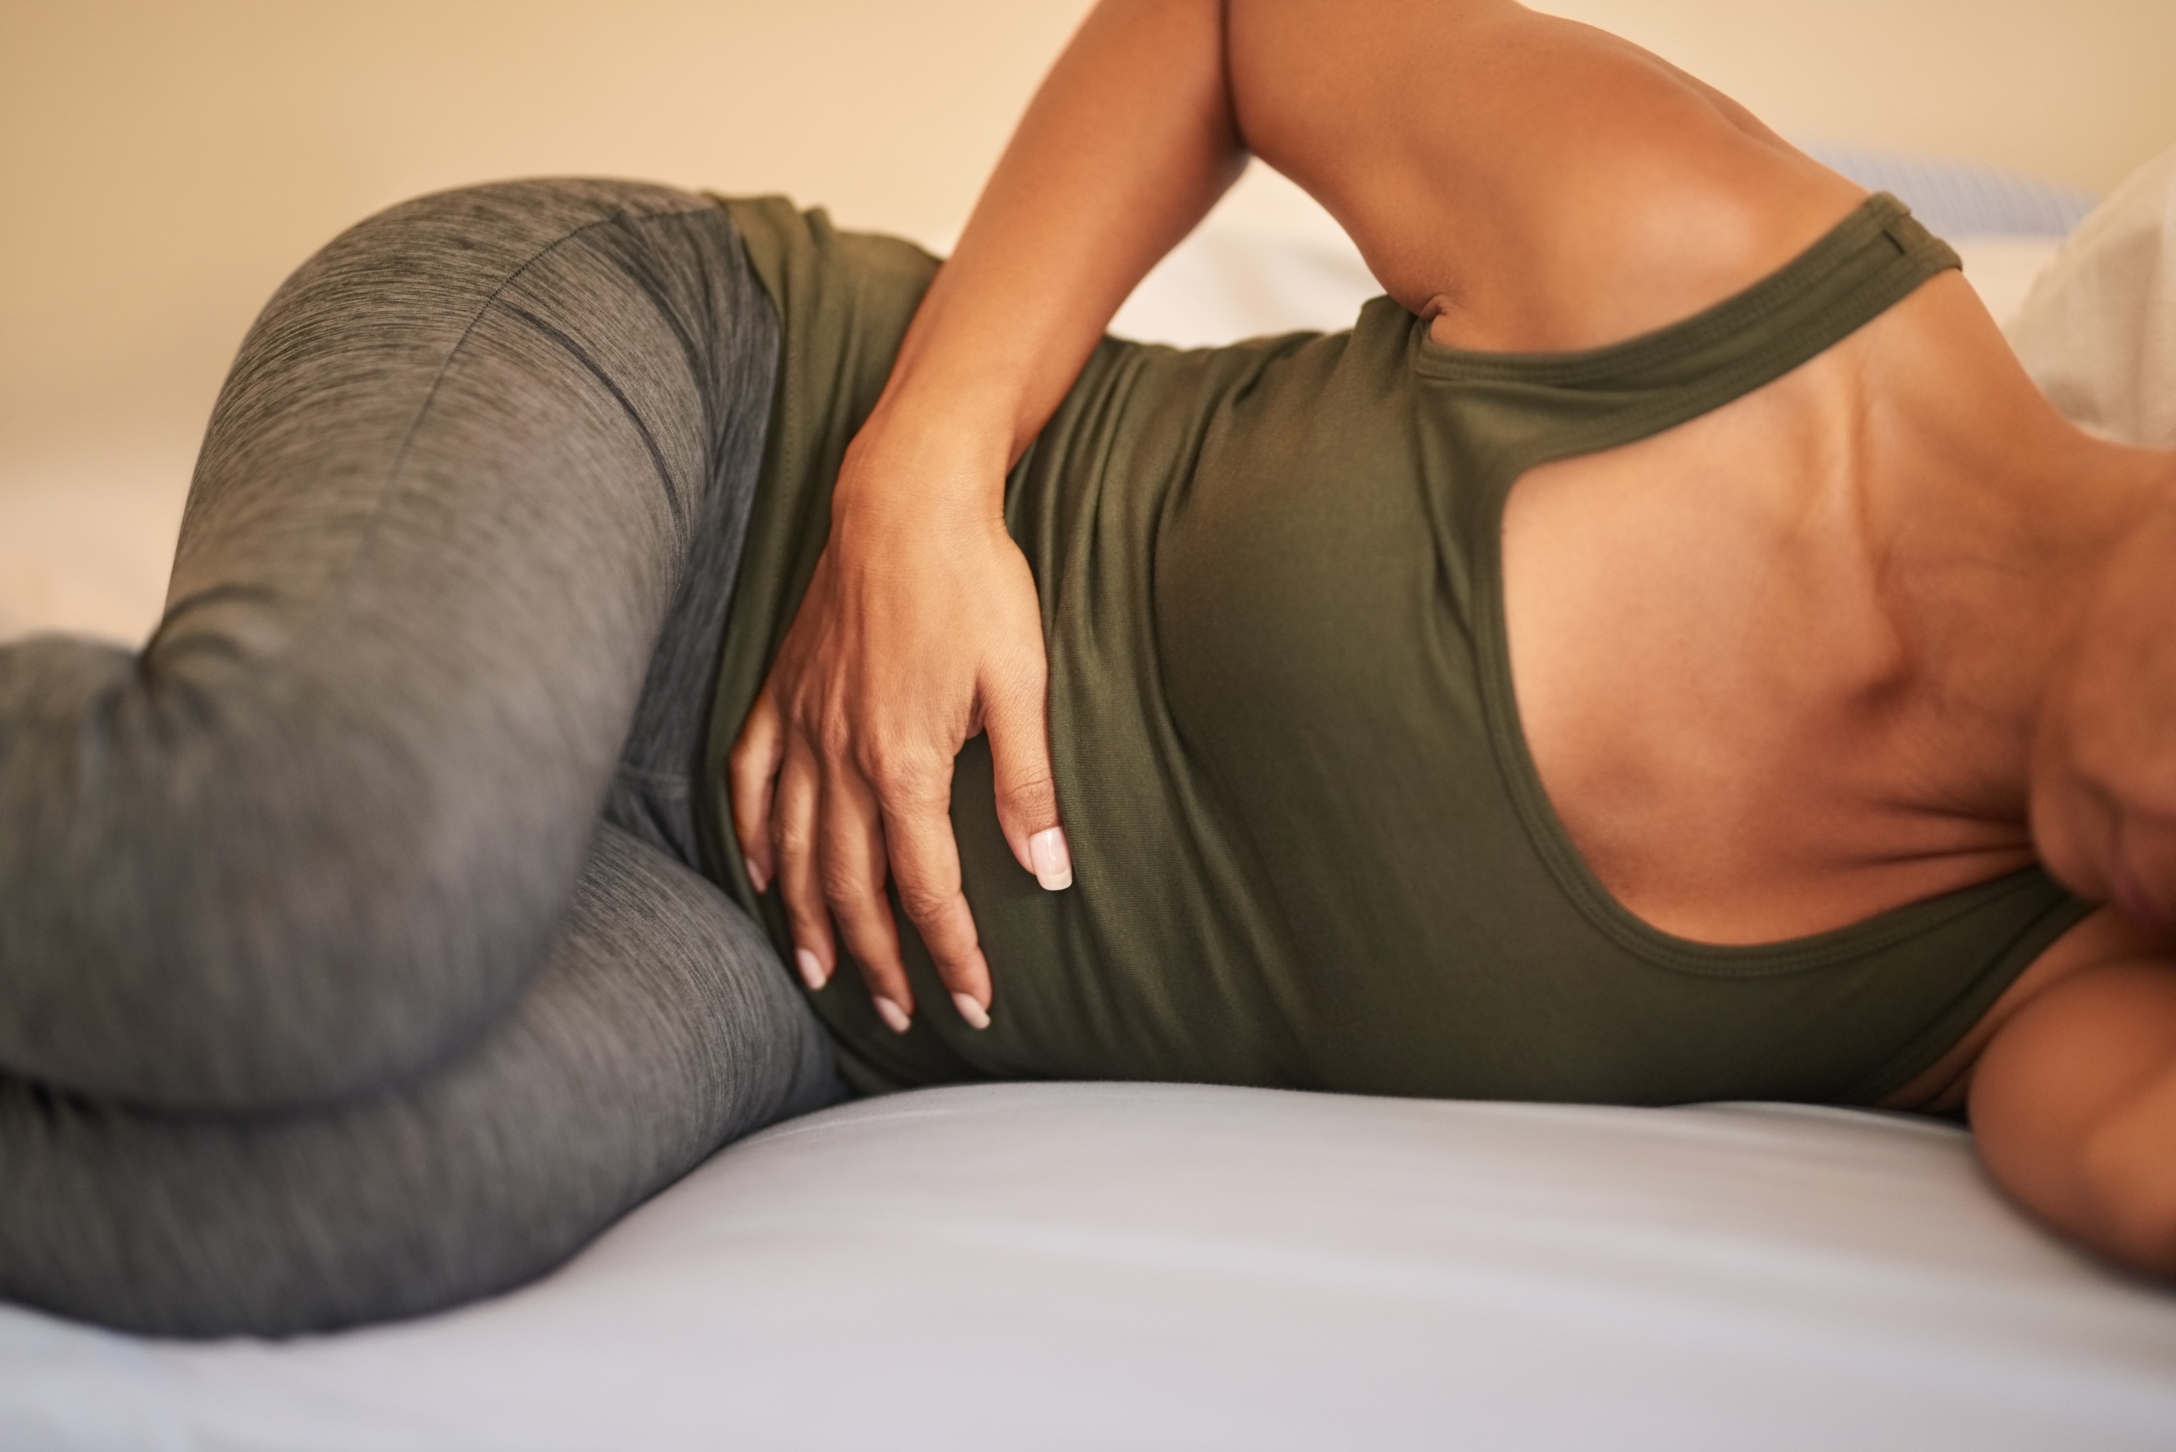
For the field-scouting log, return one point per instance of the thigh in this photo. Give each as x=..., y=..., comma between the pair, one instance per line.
x=654, y=790
x=321, y=831
x=661, y=1026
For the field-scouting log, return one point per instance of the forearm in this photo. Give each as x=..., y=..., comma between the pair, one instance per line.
x=1128, y=143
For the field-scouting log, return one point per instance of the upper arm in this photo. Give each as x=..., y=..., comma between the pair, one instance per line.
x=2074, y=1105
x=1539, y=184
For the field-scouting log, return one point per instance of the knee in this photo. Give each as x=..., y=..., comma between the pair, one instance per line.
x=206, y=904
x=203, y=1227
x=2128, y=1183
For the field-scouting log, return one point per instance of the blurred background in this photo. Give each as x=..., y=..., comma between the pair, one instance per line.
x=164, y=163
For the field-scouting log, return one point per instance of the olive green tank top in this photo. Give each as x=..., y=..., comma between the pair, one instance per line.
x=1310, y=848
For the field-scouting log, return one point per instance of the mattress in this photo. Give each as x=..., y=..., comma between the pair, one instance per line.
x=1157, y=1266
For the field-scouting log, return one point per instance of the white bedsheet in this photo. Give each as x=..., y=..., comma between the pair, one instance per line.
x=1110, y=1267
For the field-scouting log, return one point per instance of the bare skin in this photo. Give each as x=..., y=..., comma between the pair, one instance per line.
x=1886, y=627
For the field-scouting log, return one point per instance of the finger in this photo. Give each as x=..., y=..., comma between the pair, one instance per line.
x=1016, y=716
x=851, y=846
x=751, y=770
x=793, y=838
x=925, y=862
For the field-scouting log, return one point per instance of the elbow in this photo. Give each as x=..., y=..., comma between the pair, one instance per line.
x=2127, y=1184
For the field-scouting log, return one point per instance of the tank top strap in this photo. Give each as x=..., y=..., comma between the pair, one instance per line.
x=1516, y=410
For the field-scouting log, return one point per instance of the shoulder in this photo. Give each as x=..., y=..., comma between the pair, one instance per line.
x=1528, y=183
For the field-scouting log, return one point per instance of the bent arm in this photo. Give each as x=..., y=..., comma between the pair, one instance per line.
x=1535, y=182
x=2074, y=1105
x=1127, y=145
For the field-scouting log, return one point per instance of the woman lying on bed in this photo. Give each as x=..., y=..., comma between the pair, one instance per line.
x=1753, y=745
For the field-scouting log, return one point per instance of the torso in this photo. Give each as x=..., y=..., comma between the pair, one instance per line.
x=1310, y=847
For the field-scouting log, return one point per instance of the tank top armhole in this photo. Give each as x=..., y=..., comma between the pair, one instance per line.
x=1868, y=263
x=2062, y=913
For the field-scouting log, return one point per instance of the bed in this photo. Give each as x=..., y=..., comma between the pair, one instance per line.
x=1104, y=1266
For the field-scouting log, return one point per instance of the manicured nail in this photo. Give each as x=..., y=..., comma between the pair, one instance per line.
x=1053, y=860
x=758, y=879
x=812, y=969
x=895, y=1017
x=976, y=1015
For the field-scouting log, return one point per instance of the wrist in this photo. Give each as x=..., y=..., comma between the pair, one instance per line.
x=957, y=411
x=927, y=453
x=980, y=400
x=980, y=364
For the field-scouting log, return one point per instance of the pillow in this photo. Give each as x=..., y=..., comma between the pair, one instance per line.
x=2098, y=330
x=1266, y=260
x=1960, y=198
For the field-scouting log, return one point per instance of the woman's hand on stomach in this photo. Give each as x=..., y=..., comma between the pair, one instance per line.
x=920, y=629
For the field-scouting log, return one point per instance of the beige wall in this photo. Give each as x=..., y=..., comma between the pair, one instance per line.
x=2079, y=91
x=164, y=162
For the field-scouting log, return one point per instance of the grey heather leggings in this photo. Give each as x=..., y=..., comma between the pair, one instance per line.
x=353, y=959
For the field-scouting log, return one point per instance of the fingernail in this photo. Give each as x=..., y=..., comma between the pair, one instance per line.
x=976, y=1015
x=895, y=1017
x=1053, y=861
x=812, y=968
x=758, y=879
